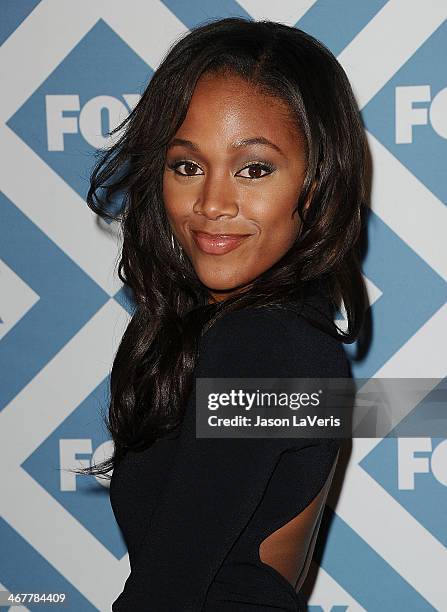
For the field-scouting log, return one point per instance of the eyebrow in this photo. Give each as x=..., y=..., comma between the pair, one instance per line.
x=244, y=142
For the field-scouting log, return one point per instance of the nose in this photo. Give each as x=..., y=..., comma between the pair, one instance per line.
x=217, y=197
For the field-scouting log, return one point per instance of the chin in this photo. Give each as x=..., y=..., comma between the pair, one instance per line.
x=214, y=284
x=218, y=276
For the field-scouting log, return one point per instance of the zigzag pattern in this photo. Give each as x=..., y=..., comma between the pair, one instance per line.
x=386, y=544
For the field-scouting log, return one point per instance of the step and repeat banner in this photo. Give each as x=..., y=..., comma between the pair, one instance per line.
x=70, y=71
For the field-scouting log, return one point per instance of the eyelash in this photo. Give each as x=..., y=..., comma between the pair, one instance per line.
x=264, y=165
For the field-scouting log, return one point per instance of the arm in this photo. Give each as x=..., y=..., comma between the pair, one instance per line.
x=215, y=485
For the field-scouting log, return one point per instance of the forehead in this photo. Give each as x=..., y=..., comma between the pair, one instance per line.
x=227, y=107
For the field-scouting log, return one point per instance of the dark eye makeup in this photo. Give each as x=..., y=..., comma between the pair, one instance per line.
x=262, y=164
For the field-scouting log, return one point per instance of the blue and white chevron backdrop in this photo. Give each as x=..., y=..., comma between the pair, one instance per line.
x=71, y=69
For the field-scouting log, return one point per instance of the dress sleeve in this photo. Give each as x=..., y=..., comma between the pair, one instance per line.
x=215, y=485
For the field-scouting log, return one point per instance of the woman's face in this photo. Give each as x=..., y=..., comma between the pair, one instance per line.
x=216, y=183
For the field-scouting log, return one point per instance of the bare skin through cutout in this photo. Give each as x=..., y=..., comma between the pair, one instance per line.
x=289, y=549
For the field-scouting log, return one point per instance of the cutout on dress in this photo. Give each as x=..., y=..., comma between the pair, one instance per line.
x=288, y=550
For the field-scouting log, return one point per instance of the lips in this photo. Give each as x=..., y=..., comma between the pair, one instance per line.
x=218, y=244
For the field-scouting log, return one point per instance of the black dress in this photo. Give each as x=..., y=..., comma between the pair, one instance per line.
x=193, y=511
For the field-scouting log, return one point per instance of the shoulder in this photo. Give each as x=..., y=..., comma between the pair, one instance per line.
x=264, y=342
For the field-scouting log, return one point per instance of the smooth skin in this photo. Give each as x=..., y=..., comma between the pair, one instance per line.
x=210, y=185
x=213, y=186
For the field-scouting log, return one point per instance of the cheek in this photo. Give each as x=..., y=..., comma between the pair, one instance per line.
x=271, y=248
x=174, y=204
x=279, y=224
x=168, y=193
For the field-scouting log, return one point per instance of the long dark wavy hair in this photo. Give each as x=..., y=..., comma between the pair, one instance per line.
x=152, y=372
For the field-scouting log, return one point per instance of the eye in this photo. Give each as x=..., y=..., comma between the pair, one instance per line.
x=259, y=167
x=191, y=169
x=189, y=165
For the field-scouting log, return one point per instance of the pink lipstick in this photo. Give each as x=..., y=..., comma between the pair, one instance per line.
x=218, y=244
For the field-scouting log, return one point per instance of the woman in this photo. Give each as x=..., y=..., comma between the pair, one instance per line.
x=243, y=172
